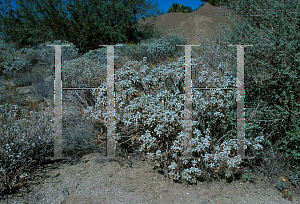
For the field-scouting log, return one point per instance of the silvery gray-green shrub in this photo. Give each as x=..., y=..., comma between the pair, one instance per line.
x=155, y=49
x=45, y=54
x=89, y=70
x=150, y=105
x=15, y=61
x=11, y=61
x=26, y=139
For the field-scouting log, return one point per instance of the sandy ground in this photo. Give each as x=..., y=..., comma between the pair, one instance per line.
x=92, y=180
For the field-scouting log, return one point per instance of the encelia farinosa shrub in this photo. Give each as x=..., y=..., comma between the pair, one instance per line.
x=150, y=106
x=26, y=139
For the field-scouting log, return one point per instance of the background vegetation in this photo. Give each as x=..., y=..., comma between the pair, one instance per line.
x=180, y=8
x=272, y=71
x=217, y=2
x=271, y=74
x=92, y=22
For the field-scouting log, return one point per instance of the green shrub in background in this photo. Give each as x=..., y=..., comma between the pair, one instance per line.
x=90, y=24
x=217, y=2
x=290, y=145
x=248, y=176
x=272, y=68
x=179, y=8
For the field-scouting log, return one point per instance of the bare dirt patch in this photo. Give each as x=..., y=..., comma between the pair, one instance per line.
x=92, y=180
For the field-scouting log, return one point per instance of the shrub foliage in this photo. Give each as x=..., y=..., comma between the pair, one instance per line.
x=89, y=25
x=149, y=105
x=26, y=139
x=272, y=68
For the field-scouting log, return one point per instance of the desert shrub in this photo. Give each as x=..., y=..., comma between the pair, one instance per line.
x=149, y=105
x=26, y=139
x=41, y=88
x=3, y=49
x=45, y=54
x=101, y=54
x=155, y=49
x=86, y=71
x=271, y=70
x=8, y=94
x=77, y=132
x=89, y=70
x=44, y=68
x=289, y=145
x=14, y=62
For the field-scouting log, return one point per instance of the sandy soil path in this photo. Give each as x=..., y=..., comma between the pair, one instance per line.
x=101, y=181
